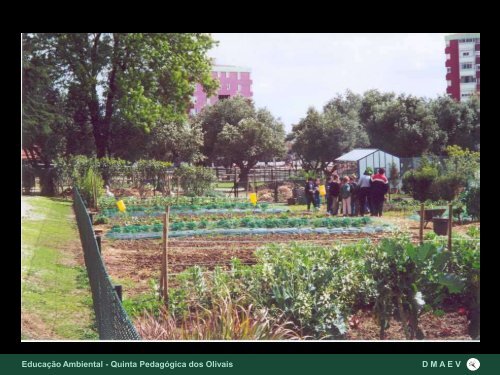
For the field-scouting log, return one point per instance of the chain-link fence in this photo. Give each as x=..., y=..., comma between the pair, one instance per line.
x=112, y=321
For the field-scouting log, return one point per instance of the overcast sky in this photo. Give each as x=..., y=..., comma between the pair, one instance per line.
x=291, y=72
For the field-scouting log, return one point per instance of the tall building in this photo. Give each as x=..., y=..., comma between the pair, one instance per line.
x=233, y=80
x=463, y=65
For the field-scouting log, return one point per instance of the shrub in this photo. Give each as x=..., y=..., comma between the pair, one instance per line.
x=418, y=182
x=446, y=187
x=471, y=200
x=91, y=187
x=100, y=219
x=195, y=180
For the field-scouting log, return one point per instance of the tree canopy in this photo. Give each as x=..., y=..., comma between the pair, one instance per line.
x=120, y=81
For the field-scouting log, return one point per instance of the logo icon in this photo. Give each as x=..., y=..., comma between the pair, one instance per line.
x=473, y=364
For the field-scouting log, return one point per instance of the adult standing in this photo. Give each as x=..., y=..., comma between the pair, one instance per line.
x=379, y=188
x=309, y=192
x=329, y=199
x=354, y=195
x=364, y=191
x=333, y=194
x=345, y=193
x=317, y=199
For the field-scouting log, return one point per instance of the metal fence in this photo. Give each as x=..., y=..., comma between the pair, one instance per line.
x=113, y=322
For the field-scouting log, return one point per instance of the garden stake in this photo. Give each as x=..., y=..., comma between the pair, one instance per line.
x=450, y=224
x=421, y=233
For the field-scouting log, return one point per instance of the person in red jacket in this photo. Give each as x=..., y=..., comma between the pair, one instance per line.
x=378, y=189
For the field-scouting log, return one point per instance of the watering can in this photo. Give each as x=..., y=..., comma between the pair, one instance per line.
x=121, y=205
x=253, y=198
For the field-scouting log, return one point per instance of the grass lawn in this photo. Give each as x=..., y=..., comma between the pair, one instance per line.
x=56, y=301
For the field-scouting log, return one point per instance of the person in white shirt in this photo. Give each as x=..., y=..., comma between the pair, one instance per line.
x=364, y=185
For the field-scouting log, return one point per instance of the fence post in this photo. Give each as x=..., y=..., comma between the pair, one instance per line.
x=119, y=291
x=99, y=246
x=421, y=232
x=450, y=224
x=165, y=254
x=178, y=189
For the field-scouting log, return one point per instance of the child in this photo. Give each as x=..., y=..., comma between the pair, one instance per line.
x=317, y=199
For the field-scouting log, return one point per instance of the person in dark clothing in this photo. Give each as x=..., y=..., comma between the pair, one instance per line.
x=329, y=199
x=309, y=192
x=317, y=199
x=354, y=195
x=378, y=190
x=364, y=184
x=333, y=194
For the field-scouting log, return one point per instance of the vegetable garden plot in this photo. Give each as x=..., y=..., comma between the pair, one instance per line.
x=202, y=211
x=248, y=231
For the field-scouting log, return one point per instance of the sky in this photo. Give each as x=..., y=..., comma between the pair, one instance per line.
x=292, y=72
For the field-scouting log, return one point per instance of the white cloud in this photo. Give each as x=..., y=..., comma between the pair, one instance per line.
x=294, y=71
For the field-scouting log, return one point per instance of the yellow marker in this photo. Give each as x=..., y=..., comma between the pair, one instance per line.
x=253, y=198
x=322, y=190
x=121, y=205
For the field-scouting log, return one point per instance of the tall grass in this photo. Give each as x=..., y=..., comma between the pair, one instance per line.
x=226, y=320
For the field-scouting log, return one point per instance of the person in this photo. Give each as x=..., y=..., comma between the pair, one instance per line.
x=329, y=198
x=309, y=192
x=345, y=193
x=317, y=199
x=354, y=195
x=364, y=198
x=379, y=188
x=332, y=194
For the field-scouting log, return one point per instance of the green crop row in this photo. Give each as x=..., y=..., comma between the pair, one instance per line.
x=248, y=222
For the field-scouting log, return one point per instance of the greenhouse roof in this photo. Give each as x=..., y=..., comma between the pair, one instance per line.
x=357, y=154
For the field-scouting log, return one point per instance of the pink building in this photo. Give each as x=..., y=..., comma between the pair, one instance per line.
x=233, y=80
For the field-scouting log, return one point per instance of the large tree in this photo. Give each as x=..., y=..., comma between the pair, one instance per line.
x=319, y=138
x=252, y=139
x=458, y=123
x=44, y=117
x=404, y=126
x=146, y=79
x=212, y=120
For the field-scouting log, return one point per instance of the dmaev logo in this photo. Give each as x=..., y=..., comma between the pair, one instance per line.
x=441, y=364
x=473, y=364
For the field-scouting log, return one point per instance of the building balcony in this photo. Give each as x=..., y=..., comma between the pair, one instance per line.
x=447, y=50
x=447, y=64
x=478, y=59
x=478, y=47
x=448, y=76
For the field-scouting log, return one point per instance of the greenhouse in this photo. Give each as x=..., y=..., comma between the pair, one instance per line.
x=357, y=160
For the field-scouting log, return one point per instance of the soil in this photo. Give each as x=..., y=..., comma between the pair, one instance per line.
x=450, y=326
x=140, y=260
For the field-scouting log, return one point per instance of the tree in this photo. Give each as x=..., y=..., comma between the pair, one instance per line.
x=212, y=120
x=42, y=110
x=403, y=126
x=253, y=139
x=319, y=138
x=458, y=123
x=145, y=78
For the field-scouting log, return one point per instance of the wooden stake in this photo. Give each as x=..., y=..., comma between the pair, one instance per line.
x=421, y=232
x=254, y=183
x=450, y=224
x=164, y=258
x=178, y=189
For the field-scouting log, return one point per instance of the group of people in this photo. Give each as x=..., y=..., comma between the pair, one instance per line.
x=350, y=196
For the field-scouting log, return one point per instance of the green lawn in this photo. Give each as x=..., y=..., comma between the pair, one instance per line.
x=56, y=301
